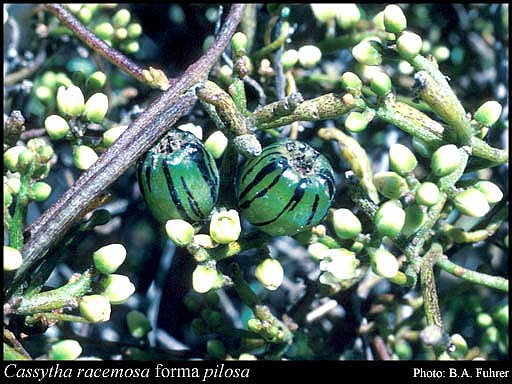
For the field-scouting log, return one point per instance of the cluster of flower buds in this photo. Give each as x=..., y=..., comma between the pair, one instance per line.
x=46, y=85
x=118, y=31
x=112, y=288
x=346, y=15
x=27, y=165
x=75, y=113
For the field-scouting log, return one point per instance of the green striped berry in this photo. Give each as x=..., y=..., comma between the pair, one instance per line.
x=179, y=178
x=287, y=189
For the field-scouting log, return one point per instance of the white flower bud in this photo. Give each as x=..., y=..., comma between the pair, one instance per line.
x=490, y=190
x=445, y=160
x=204, y=278
x=111, y=135
x=270, y=274
x=383, y=262
x=409, y=45
x=472, y=202
x=317, y=250
x=95, y=308
x=323, y=12
x=394, y=19
x=225, y=226
x=401, y=159
x=488, y=113
x=12, y=258
x=390, y=184
x=96, y=107
x=11, y=157
x=84, y=157
x=65, y=350
x=179, y=231
x=347, y=15
x=341, y=263
x=309, y=56
x=40, y=191
x=192, y=128
x=109, y=258
x=117, y=288
x=70, y=101
x=216, y=144
x=390, y=218
x=367, y=52
x=346, y=224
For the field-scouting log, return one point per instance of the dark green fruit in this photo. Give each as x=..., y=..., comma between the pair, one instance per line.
x=179, y=178
x=287, y=189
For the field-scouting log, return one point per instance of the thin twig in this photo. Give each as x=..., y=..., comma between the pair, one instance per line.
x=152, y=124
x=95, y=43
x=32, y=133
x=495, y=282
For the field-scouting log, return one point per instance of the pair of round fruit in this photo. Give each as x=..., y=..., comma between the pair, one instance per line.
x=286, y=190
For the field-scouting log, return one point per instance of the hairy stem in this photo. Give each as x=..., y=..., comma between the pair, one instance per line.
x=65, y=296
x=495, y=282
x=325, y=107
x=428, y=285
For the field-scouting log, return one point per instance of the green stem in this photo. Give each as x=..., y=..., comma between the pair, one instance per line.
x=325, y=107
x=238, y=95
x=419, y=125
x=17, y=223
x=495, y=282
x=460, y=236
x=211, y=93
x=277, y=109
x=276, y=44
x=356, y=156
x=413, y=122
x=428, y=285
x=360, y=197
x=243, y=289
x=65, y=296
x=18, y=347
x=328, y=241
x=446, y=105
x=53, y=317
x=483, y=150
